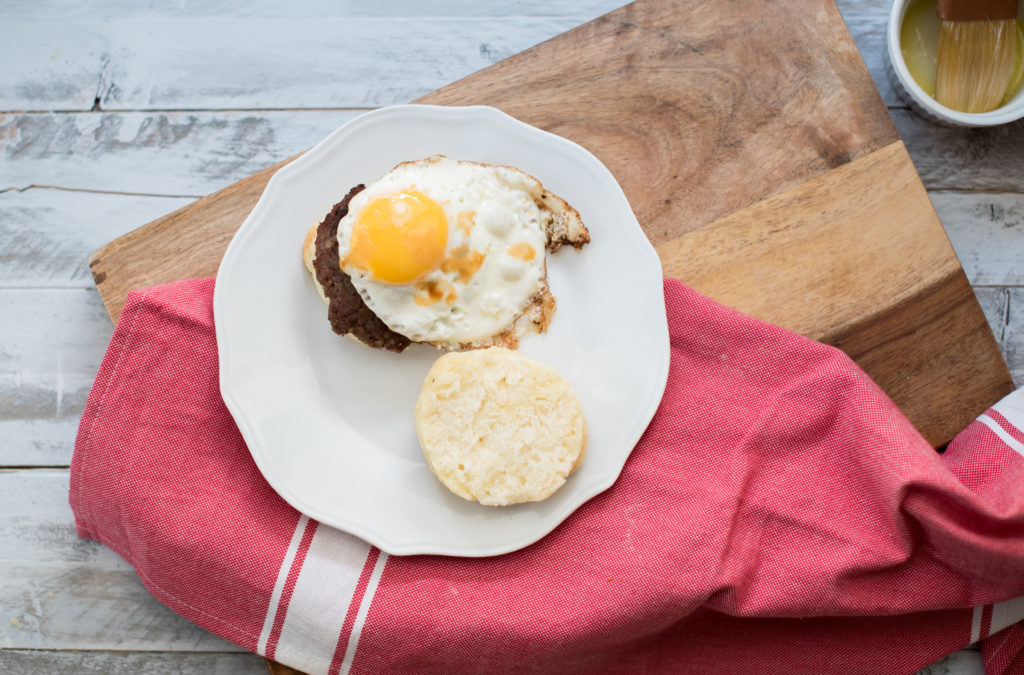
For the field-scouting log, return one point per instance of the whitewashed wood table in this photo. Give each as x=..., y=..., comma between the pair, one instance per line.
x=114, y=113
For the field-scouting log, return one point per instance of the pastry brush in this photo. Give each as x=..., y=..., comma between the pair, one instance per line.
x=975, y=53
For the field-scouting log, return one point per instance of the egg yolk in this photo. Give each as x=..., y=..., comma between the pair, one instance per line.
x=400, y=237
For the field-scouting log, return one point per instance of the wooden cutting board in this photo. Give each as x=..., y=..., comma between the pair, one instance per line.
x=760, y=161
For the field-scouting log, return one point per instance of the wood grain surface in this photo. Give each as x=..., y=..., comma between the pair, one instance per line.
x=841, y=243
x=666, y=95
x=868, y=270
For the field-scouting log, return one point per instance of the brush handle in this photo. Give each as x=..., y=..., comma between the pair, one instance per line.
x=976, y=10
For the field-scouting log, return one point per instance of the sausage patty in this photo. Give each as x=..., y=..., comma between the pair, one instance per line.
x=346, y=310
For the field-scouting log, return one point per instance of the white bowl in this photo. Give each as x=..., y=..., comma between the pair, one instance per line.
x=910, y=91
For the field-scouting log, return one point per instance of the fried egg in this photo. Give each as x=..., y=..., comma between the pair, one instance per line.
x=449, y=252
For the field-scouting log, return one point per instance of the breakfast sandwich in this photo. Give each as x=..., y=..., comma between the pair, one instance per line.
x=441, y=251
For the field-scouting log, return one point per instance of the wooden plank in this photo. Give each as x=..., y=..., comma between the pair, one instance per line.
x=949, y=158
x=962, y=662
x=987, y=232
x=336, y=61
x=77, y=78
x=49, y=234
x=876, y=277
x=197, y=152
x=868, y=22
x=1004, y=309
x=138, y=663
x=47, y=370
x=73, y=87
x=72, y=10
x=93, y=606
x=44, y=441
x=171, y=153
x=61, y=592
x=782, y=247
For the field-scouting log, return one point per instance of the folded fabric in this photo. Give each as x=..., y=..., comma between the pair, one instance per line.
x=779, y=515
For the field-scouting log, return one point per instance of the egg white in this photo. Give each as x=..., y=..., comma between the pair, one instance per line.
x=507, y=212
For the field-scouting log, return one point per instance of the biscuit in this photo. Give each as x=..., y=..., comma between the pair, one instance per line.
x=499, y=427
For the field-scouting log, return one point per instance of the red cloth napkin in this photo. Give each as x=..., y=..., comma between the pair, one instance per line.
x=779, y=515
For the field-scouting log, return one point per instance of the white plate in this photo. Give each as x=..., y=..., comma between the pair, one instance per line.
x=330, y=422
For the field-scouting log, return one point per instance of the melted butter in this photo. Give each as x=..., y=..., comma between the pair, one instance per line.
x=1017, y=74
x=427, y=293
x=465, y=220
x=463, y=262
x=522, y=250
x=919, y=39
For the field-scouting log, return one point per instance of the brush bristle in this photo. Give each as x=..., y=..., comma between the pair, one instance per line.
x=974, y=64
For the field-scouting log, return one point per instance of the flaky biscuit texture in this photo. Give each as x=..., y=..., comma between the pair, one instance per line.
x=499, y=427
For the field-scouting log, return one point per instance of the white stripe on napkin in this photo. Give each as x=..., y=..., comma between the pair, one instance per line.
x=320, y=602
x=1011, y=407
x=976, y=623
x=364, y=609
x=1006, y=613
x=1001, y=433
x=282, y=577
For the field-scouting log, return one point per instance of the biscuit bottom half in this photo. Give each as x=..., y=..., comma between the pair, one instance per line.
x=498, y=427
